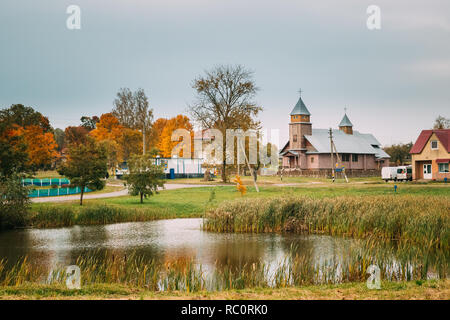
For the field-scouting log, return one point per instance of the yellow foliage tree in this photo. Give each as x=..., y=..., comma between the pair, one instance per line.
x=165, y=144
x=41, y=146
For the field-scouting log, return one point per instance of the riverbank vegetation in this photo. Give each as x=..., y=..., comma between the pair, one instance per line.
x=297, y=271
x=416, y=219
x=194, y=202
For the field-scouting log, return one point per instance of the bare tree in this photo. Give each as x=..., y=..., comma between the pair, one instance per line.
x=441, y=123
x=132, y=110
x=225, y=100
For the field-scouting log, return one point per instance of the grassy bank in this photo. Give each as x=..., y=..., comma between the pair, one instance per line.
x=412, y=290
x=416, y=219
x=66, y=216
x=296, y=269
x=193, y=202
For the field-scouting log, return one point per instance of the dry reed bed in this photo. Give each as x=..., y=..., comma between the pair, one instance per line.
x=417, y=219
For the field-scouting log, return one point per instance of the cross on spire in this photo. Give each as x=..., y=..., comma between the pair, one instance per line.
x=345, y=109
x=300, y=91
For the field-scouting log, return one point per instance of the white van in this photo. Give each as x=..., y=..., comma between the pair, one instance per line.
x=389, y=173
x=404, y=173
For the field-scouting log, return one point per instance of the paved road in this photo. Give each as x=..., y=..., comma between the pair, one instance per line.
x=119, y=193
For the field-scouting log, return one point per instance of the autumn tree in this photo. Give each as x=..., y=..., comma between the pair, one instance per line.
x=13, y=152
x=14, y=165
x=119, y=142
x=36, y=132
x=132, y=110
x=75, y=135
x=165, y=144
x=156, y=133
x=225, y=100
x=130, y=143
x=22, y=116
x=145, y=177
x=41, y=146
x=107, y=133
x=86, y=166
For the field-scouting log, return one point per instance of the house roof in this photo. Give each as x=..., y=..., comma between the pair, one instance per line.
x=300, y=108
x=345, y=122
x=356, y=143
x=442, y=134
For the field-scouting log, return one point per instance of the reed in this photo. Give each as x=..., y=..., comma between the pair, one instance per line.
x=297, y=268
x=415, y=219
x=59, y=216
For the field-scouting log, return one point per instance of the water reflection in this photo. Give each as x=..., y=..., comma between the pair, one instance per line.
x=167, y=241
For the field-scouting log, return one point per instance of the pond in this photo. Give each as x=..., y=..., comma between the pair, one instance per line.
x=171, y=240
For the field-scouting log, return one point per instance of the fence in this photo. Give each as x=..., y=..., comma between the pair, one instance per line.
x=54, y=192
x=45, y=182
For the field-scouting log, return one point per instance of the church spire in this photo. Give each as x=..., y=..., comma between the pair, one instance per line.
x=346, y=125
x=300, y=107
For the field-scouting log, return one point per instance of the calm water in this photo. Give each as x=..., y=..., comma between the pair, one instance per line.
x=163, y=240
x=167, y=241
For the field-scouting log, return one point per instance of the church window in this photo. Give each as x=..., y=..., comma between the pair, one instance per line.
x=294, y=138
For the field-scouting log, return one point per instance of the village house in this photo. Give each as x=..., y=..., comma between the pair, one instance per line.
x=430, y=155
x=309, y=148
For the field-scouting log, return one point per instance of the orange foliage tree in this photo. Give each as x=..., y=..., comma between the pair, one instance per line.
x=41, y=145
x=165, y=143
x=119, y=142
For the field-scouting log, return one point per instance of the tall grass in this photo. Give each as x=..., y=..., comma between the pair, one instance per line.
x=417, y=219
x=298, y=268
x=59, y=216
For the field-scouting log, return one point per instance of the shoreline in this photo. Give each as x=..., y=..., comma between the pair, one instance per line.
x=412, y=290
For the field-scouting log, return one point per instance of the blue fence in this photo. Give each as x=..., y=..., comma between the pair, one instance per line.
x=54, y=192
x=45, y=182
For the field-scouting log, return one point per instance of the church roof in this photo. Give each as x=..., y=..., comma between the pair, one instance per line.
x=345, y=122
x=356, y=143
x=300, y=108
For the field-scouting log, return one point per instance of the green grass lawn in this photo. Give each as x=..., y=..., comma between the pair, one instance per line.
x=191, y=202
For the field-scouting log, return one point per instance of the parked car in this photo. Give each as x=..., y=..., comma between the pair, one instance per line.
x=389, y=173
x=404, y=173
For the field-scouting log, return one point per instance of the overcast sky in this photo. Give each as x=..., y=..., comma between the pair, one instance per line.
x=394, y=81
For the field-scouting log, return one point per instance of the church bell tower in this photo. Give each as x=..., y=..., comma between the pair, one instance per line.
x=299, y=126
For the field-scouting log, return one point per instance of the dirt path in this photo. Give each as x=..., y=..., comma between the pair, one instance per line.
x=119, y=193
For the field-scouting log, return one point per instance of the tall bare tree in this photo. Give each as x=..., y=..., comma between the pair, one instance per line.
x=132, y=110
x=225, y=100
x=441, y=123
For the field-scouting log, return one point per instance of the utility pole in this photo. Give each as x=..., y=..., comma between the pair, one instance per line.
x=248, y=164
x=331, y=153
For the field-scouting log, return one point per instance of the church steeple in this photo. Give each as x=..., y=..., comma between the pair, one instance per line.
x=300, y=113
x=299, y=126
x=346, y=125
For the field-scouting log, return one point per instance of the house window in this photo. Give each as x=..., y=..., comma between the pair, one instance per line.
x=345, y=157
x=434, y=145
x=354, y=158
x=443, y=167
x=312, y=160
x=294, y=138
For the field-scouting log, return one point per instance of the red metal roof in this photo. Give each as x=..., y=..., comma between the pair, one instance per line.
x=442, y=134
